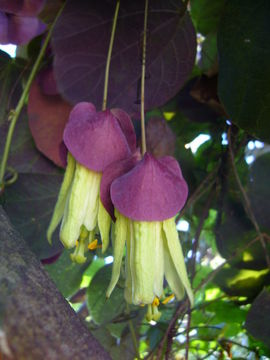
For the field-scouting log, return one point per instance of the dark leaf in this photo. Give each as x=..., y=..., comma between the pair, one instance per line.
x=48, y=115
x=244, y=56
x=160, y=140
x=259, y=191
x=29, y=203
x=101, y=309
x=242, y=282
x=66, y=274
x=258, y=318
x=81, y=40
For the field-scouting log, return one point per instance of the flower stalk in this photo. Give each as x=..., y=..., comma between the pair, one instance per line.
x=107, y=70
x=143, y=136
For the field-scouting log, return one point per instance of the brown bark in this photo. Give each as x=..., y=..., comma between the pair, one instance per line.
x=36, y=322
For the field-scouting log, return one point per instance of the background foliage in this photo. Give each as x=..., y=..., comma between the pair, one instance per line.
x=222, y=92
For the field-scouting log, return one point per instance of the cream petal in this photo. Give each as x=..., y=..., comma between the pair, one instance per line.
x=176, y=254
x=143, y=262
x=118, y=250
x=76, y=207
x=90, y=219
x=158, y=254
x=104, y=224
x=62, y=197
x=128, y=264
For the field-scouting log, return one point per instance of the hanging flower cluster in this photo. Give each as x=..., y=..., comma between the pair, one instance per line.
x=105, y=179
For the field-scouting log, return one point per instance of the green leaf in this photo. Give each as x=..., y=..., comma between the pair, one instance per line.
x=66, y=274
x=206, y=14
x=258, y=318
x=244, y=57
x=242, y=282
x=29, y=202
x=101, y=309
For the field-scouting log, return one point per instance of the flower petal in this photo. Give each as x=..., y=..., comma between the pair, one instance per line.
x=154, y=190
x=121, y=226
x=95, y=139
x=90, y=220
x=104, y=224
x=175, y=251
x=143, y=276
x=112, y=172
x=76, y=207
x=62, y=197
x=126, y=126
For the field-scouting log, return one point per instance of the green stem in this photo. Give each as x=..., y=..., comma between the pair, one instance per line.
x=107, y=70
x=15, y=115
x=143, y=137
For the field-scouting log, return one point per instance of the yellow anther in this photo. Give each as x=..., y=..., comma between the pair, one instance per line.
x=77, y=243
x=142, y=305
x=167, y=299
x=94, y=245
x=155, y=302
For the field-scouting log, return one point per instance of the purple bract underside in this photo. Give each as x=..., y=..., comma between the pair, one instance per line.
x=154, y=190
x=95, y=139
x=112, y=172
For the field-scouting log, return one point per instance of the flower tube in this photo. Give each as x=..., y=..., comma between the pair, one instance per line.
x=146, y=200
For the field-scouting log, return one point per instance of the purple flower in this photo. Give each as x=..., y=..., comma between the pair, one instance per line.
x=94, y=140
x=146, y=199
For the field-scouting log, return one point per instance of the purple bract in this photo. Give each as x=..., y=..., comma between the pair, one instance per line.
x=154, y=190
x=96, y=139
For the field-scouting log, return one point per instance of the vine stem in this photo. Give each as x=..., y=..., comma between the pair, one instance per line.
x=14, y=115
x=109, y=56
x=143, y=137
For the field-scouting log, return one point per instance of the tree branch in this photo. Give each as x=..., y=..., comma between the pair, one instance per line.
x=36, y=322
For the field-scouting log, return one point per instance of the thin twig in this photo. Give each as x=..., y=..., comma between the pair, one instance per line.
x=246, y=201
x=143, y=137
x=109, y=55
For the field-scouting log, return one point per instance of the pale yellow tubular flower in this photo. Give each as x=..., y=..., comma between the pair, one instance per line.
x=104, y=223
x=81, y=244
x=118, y=250
x=76, y=207
x=90, y=220
x=128, y=282
x=144, y=262
x=62, y=197
x=175, y=251
x=158, y=254
x=171, y=274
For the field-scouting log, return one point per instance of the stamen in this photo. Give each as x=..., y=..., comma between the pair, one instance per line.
x=94, y=245
x=77, y=243
x=168, y=299
x=155, y=302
